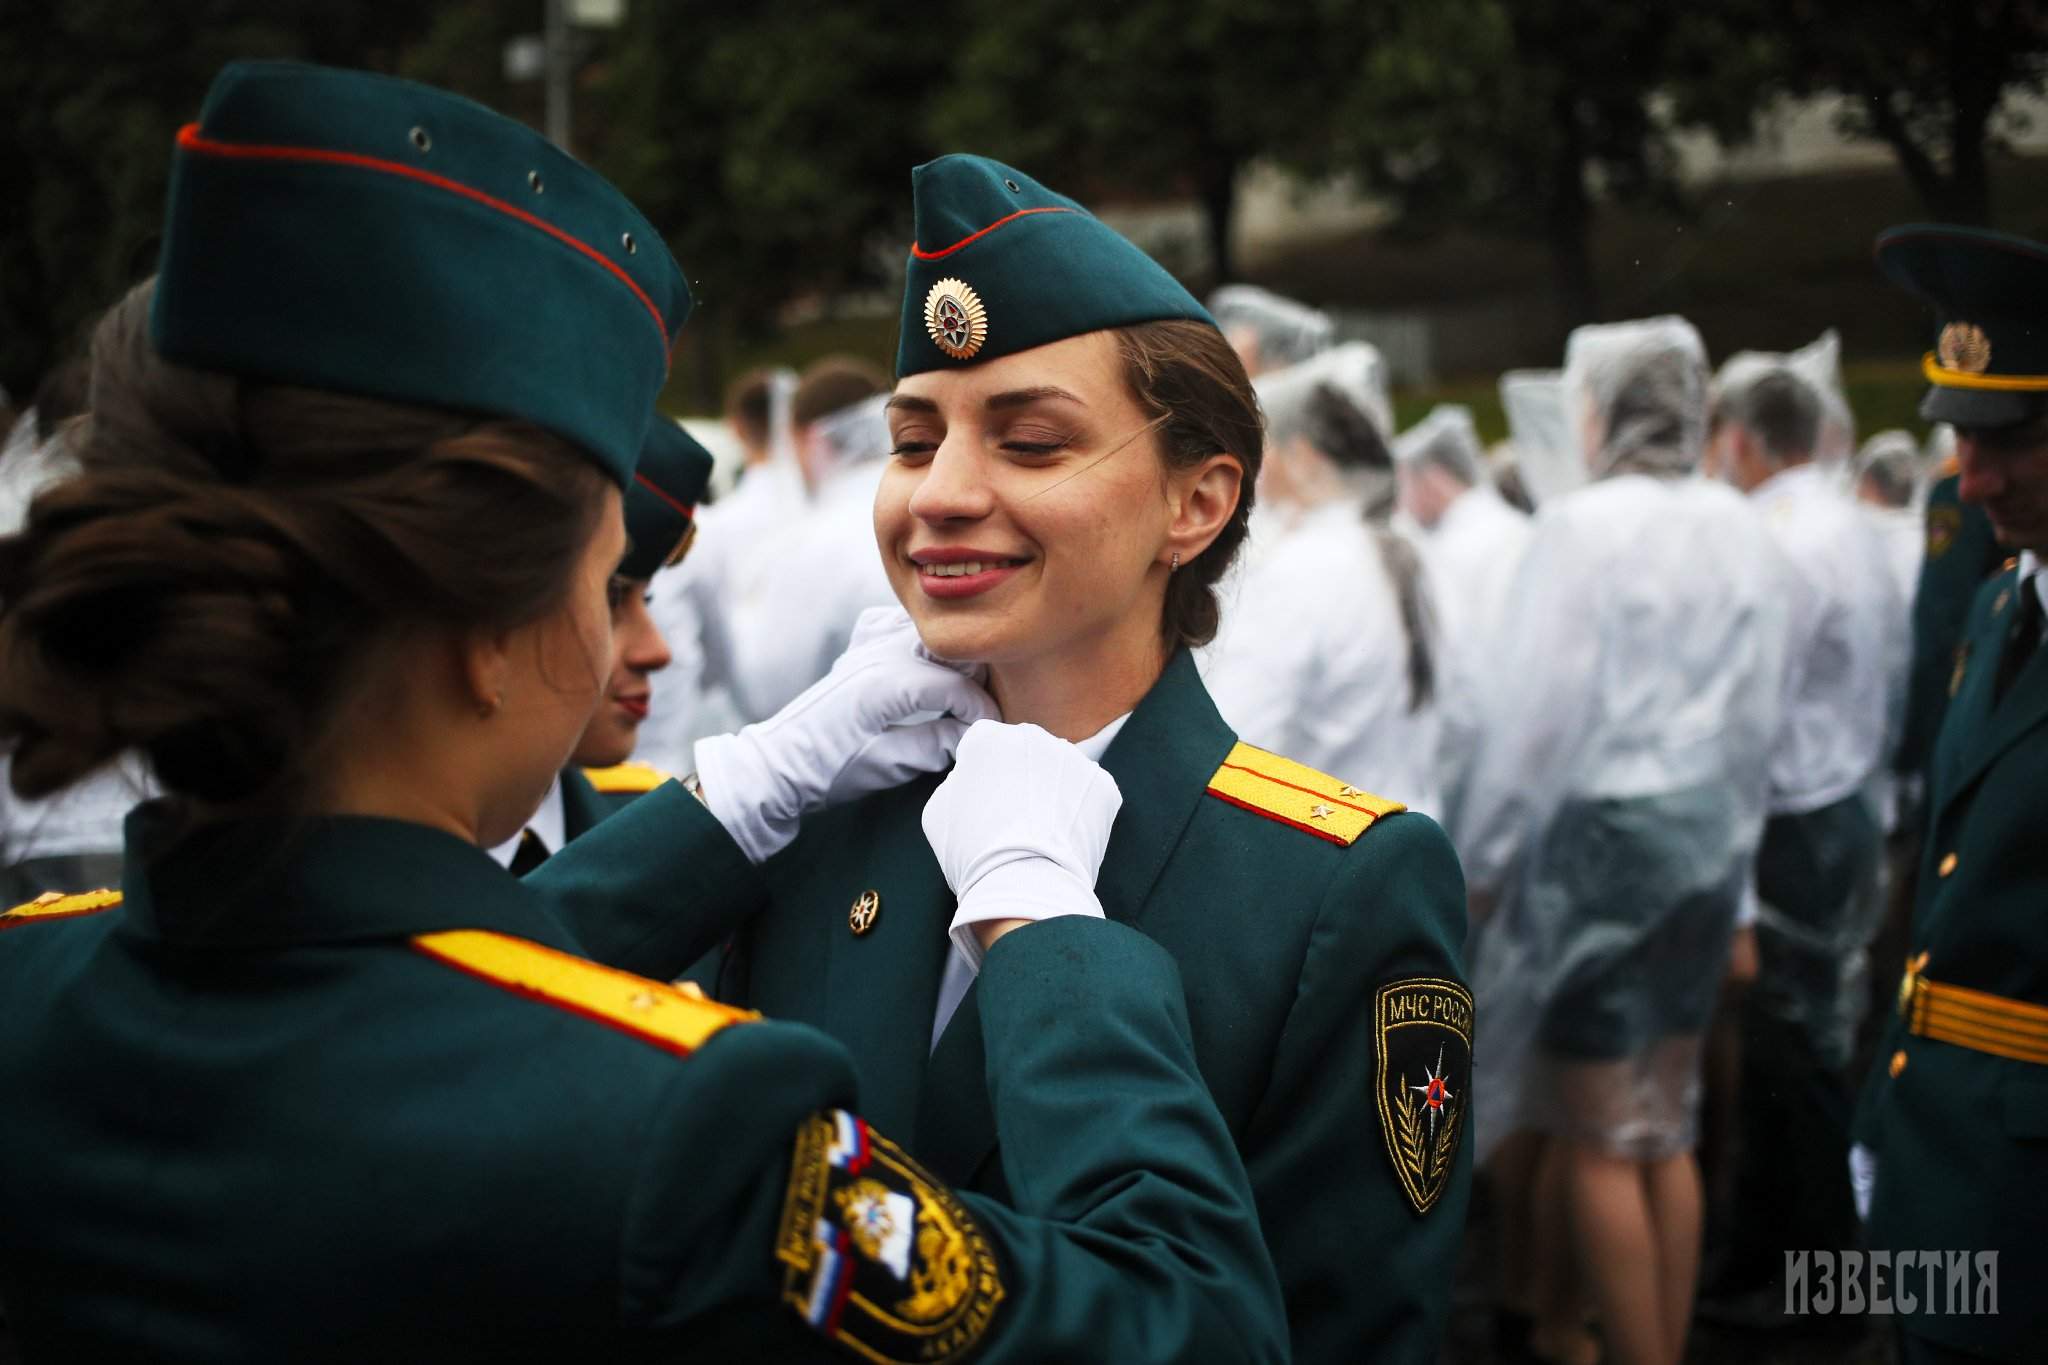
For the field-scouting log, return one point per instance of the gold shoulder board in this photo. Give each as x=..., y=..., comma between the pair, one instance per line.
x=622, y=778
x=673, y=1019
x=1281, y=789
x=57, y=905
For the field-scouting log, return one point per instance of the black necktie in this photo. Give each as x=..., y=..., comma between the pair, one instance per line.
x=531, y=854
x=2023, y=640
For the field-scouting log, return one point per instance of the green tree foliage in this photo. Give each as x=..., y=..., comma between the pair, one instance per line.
x=772, y=143
x=1147, y=99
x=1932, y=79
x=96, y=90
x=1510, y=113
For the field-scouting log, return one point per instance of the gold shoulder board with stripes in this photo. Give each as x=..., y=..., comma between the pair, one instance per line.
x=57, y=905
x=1283, y=790
x=675, y=1019
x=622, y=778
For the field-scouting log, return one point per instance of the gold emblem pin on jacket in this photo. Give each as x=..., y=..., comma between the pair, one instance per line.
x=867, y=908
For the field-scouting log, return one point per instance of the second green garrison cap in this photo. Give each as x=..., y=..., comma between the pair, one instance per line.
x=1989, y=291
x=1002, y=264
x=355, y=232
x=661, y=502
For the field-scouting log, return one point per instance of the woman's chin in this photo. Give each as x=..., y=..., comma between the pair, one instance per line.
x=959, y=638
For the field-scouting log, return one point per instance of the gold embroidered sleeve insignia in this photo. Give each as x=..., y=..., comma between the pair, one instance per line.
x=878, y=1256
x=57, y=905
x=1293, y=794
x=1943, y=524
x=623, y=778
x=673, y=1020
x=1422, y=1038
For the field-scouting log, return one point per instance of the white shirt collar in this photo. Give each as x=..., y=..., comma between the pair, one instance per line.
x=549, y=824
x=2030, y=564
x=1097, y=744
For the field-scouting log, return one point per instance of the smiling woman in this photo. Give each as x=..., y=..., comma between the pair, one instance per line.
x=1074, y=448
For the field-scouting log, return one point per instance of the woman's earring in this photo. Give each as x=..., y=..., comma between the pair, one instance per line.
x=1175, y=566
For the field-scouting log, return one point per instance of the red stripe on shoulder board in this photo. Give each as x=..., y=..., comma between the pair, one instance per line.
x=972, y=237
x=1324, y=834
x=191, y=140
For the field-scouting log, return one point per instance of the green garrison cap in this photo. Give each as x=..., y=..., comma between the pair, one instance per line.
x=368, y=235
x=1002, y=264
x=661, y=502
x=1989, y=366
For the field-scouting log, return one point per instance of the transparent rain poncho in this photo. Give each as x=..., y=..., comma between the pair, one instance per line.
x=1892, y=465
x=1448, y=439
x=1286, y=332
x=1819, y=363
x=798, y=588
x=1541, y=433
x=1356, y=369
x=1612, y=818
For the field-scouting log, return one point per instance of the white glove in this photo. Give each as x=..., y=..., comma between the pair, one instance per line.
x=885, y=713
x=1019, y=827
x=1862, y=1179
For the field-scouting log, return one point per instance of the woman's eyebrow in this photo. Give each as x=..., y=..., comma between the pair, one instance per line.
x=907, y=402
x=1017, y=398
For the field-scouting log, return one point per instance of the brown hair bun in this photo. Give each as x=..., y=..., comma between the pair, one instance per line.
x=206, y=588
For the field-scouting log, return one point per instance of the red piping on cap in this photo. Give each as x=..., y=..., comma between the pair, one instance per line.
x=190, y=140
x=688, y=510
x=924, y=255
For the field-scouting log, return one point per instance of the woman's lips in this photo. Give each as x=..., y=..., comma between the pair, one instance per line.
x=636, y=707
x=956, y=578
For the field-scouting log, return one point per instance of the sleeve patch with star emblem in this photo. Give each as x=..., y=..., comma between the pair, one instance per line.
x=1422, y=1042
x=878, y=1256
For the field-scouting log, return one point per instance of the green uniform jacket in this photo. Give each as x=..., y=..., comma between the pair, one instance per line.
x=1961, y=1136
x=1285, y=942
x=1961, y=553
x=263, y=1111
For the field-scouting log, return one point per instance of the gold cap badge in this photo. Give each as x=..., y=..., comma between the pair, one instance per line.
x=1964, y=346
x=954, y=316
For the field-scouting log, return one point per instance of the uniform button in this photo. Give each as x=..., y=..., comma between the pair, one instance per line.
x=1898, y=1063
x=1948, y=865
x=866, y=910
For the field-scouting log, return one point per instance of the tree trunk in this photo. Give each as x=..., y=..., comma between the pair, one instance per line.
x=1568, y=217
x=1218, y=195
x=1978, y=71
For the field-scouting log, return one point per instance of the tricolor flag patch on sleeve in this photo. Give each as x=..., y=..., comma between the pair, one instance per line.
x=877, y=1255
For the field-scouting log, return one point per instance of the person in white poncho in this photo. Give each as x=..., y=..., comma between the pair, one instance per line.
x=1328, y=652
x=1270, y=332
x=1472, y=545
x=1612, y=820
